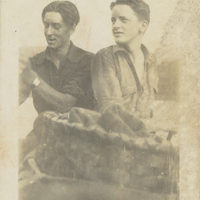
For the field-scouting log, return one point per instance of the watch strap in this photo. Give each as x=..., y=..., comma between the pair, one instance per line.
x=36, y=82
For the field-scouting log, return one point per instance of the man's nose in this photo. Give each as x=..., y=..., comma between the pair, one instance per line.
x=116, y=24
x=49, y=30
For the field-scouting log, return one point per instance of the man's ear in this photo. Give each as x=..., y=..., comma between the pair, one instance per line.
x=143, y=26
x=73, y=28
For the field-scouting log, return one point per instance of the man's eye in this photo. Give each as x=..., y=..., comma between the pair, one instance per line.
x=113, y=21
x=56, y=27
x=46, y=25
x=124, y=20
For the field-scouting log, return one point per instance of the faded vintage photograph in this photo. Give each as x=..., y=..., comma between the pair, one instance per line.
x=100, y=97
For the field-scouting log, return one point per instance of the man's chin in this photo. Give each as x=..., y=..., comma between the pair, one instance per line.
x=51, y=46
x=120, y=42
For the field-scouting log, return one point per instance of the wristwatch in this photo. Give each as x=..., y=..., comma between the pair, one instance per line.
x=35, y=83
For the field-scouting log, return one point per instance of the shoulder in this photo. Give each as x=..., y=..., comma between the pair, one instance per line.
x=151, y=58
x=105, y=51
x=104, y=60
x=80, y=54
x=152, y=68
x=104, y=56
x=38, y=58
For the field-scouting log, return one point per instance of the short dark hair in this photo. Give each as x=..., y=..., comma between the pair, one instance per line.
x=67, y=10
x=141, y=8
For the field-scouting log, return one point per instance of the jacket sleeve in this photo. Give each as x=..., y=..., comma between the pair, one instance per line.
x=105, y=84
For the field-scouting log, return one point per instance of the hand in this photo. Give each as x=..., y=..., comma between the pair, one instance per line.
x=63, y=116
x=27, y=75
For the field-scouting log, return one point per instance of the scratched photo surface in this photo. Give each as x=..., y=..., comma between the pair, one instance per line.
x=91, y=124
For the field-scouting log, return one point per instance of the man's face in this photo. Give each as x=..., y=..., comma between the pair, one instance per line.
x=57, y=33
x=125, y=24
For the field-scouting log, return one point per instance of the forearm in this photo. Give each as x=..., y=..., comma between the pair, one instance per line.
x=59, y=101
x=24, y=92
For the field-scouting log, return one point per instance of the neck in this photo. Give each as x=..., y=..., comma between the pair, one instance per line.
x=134, y=47
x=61, y=52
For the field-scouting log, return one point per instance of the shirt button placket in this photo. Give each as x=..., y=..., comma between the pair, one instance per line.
x=57, y=78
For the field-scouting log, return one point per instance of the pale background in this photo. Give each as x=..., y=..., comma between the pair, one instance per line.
x=21, y=26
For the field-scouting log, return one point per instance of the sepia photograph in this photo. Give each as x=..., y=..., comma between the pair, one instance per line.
x=105, y=100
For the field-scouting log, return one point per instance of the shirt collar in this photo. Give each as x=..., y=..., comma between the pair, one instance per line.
x=72, y=55
x=117, y=48
x=147, y=55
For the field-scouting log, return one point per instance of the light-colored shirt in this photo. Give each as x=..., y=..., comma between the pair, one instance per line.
x=114, y=82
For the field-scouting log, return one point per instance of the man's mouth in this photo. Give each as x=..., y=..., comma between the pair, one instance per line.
x=50, y=40
x=117, y=33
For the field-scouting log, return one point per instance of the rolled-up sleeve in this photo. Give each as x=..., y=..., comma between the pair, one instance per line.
x=105, y=83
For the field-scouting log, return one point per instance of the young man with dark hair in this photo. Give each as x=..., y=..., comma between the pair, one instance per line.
x=58, y=77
